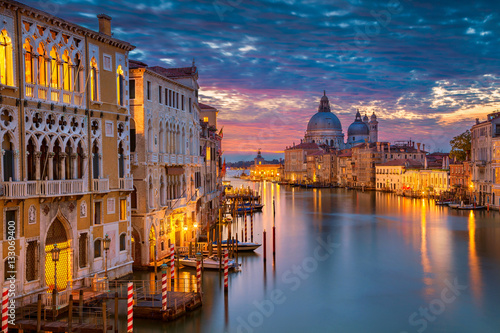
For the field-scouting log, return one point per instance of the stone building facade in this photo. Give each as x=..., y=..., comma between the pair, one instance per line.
x=65, y=171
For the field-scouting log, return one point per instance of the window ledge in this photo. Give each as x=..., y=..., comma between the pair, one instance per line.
x=3, y=86
x=96, y=102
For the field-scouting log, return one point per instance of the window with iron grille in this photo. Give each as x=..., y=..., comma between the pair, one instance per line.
x=32, y=260
x=97, y=249
x=82, y=250
x=122, y=242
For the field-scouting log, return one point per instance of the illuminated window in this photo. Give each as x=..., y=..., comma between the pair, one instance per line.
x=123, y=209
x=77, y=74
x=6, y=70
x=120, y=84
x=42, y=66
x=32, y=261
x=67, y=72
x=29, y=63
x=54, y=69
x=94, y=72
x=97, y=249
x=205, y=119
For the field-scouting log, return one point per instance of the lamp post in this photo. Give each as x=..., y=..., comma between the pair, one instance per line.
x=55, y=258
x=106, y=242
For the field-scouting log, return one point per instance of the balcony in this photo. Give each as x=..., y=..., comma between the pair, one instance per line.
x=126, y=184
x=133, y=159
x=165, y=158
x=100, y=185
x=180, y=159
x=187, y=159
x=152, y=158
x=49, y=94
x=178, y=203
x=43, y=188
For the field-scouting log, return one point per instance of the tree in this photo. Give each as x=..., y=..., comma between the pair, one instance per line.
x=461, y=146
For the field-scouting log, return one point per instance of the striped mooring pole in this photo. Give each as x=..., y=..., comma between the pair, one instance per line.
x=198, y=271
x=130, y=307
x=226, y=270
x=5, y=310
x=172, y=262
x=246, y=229
x=164, y=290
x=251, y=226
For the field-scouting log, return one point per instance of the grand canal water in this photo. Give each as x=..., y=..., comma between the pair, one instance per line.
x=348, y=261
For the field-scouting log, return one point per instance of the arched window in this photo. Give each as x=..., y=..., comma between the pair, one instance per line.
x=6, y=64
x=162, y=191
x=80, y=160
x=97, y=249
x=56, y=161
x=31, y=160
x=133, y=198
x=122, y=242
x=120, y=83
x=77, y=74
x=151, y=193
x=95, y=161
x=94, y=72
x=8, y=158
x=42, y=66
x=67, y=72
x=121, y=161
x=151, y=143
x=68, y=162
x=29, y=63
x=54, y=69
x=162, y=140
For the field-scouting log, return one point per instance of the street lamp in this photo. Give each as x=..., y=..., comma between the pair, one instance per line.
x=55, y=258
x=106, y=242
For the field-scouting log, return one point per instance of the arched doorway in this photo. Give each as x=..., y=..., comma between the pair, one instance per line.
x=152, y=244
x=136, y=248
x=57, y=235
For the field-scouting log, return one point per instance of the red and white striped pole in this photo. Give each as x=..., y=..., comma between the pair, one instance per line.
x=172, y=262
x=164, y=291
x=251, y=225
x=5, y=310
x=226, y=270
x=198, y=271
x=246, y=239
x=130, y=307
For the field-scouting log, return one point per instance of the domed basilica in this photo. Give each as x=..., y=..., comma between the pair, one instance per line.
x=325, y=128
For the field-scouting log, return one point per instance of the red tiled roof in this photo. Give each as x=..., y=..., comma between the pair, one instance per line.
x=305, y=145
x=137, y=64
x=205, y=106
x=348, y=154
x=174, y=72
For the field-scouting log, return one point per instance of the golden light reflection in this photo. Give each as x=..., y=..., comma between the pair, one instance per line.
x=475, y=270
x=426, y=265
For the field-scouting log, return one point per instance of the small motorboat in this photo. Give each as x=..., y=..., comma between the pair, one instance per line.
x=208, y=263
x=443, y=203
x=241, y=246
x=471, y=207
x=454, y=205
x=247, y=207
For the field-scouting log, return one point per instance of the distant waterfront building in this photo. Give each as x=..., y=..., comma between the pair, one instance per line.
x=324, y=128
x=296, y=161
x=65, y=172
x=483, y=176
x=266, y=171
x=390, y=175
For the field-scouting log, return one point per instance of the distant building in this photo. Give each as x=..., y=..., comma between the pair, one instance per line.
x=390, y=175
x=296, y=161
x=266, y=171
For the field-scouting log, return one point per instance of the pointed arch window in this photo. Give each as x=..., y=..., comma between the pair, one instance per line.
x=54, y=69
x=77, y=74
x=42, y=66
x=120, y=84
x=29, y=63
x=67, y=72
x=6, y=64
x=94, y=72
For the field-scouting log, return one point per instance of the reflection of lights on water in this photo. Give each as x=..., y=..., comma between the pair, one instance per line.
x=475, y=270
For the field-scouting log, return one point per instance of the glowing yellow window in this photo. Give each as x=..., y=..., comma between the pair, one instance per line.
x=6, y=70
x=123, y=209
x=67, y=72
x=29, y=63
x=120, y=82
x=54, y=69
x=93, y=80
x=205, y=119
x=42, y=66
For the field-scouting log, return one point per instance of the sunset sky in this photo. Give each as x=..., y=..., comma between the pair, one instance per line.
x=427, y=68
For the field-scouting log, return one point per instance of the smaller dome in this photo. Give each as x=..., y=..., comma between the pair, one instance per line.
x=365, y=118
x=357, y=129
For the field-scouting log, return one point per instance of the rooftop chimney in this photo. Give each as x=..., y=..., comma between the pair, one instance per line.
x=104, y=24
x=418, y=146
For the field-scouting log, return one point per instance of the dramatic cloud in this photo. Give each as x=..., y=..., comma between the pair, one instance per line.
x=427, y=68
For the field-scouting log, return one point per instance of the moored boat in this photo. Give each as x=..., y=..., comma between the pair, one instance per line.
x=241, y=246
x=471, y=207
x=208, y=263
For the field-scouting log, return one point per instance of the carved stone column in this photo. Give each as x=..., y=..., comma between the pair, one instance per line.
x=38, y=155
x=50, y=166
x=73, y=162
x=63, y=165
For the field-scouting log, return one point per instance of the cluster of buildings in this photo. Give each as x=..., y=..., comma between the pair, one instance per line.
x=109, y=159
x=323, y=158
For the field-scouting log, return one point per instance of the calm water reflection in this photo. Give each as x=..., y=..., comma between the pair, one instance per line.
x=396, y=265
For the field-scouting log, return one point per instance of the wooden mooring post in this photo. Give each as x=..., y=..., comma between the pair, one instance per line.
x=104, y=318
x=116, y=312
x=70, y=314
x=39, y=314
x=80, y=307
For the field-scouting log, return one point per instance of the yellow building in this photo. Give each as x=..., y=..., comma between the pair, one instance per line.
x=65, y=145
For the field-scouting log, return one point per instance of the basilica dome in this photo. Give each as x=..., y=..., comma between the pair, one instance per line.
x=324, y=121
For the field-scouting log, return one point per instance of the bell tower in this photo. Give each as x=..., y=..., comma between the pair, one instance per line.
x=373, y=125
